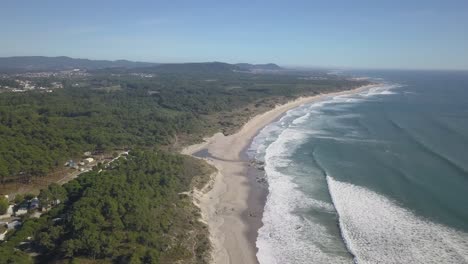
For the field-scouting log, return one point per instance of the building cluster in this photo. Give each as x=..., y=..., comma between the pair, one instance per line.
x=12, y=218
x=313, y=78
x=27, y=81
x=27, y=85
x=81, y=165
x=20, y=209
x=65, y=73
x=143, y=75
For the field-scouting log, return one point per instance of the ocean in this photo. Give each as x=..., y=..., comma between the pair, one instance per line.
x=375, y=177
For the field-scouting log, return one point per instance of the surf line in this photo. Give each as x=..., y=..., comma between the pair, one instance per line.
x=338, y=219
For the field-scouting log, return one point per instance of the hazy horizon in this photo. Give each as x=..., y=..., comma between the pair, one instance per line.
x=337, y=34
x=285, y=66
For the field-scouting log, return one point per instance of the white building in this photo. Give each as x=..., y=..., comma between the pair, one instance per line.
x=14, y=224
x=22, y=210
x=8, y=213
x=2, y=235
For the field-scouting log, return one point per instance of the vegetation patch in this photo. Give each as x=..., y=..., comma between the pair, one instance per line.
x=131, y=212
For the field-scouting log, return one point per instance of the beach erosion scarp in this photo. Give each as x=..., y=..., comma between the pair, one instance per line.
x=232, y=207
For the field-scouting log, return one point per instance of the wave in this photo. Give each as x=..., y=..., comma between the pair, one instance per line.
x=301, y=119
x=386, y=89
x=377, y=230
x=296, y=116
x=289, y=235
x=286, y=236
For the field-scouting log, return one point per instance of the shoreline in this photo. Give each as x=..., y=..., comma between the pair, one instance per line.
x=233, y=207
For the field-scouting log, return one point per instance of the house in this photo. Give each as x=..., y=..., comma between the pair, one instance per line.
x=34, y=203
x=36, y=214
x=88, y=160
x=70, y=164
x=14, y=224
x=22, y=209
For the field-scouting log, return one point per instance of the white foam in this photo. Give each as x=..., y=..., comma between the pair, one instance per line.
x=280, y=240
x=348, y=138
x=271, y=132
x=285, y=237
x=302, y=114
x=386, y=89
x=377, y=230
x=301, y=119
x=352, y=100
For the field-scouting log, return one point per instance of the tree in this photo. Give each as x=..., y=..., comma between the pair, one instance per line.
x=3, y=171
x=29, y=196
x=45, y=198
x=57, y=192
x=3, y=205
x=44, y=240
x=19, y=198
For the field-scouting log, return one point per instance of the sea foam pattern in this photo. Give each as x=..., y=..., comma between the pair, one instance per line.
x=286, y=237
x=377, y=230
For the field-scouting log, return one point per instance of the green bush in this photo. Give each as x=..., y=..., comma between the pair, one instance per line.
x=3, y=205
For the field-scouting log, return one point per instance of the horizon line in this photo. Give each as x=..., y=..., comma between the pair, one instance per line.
x=286, y=66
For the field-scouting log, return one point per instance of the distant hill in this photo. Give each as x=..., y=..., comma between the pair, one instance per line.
x=268, y=66
x=199, y=67
x=207, y=67
x=40, y=63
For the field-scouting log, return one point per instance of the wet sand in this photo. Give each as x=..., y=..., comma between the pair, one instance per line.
x=233, y=202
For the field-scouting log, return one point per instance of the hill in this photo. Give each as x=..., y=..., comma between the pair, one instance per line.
x=203, y=68
x=268, y=66
x=41, y=63
x=186, y=68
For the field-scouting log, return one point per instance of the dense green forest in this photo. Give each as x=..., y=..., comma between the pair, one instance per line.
x=40, y=131
x=135, y=210
x=8, y=82
x=131, y=212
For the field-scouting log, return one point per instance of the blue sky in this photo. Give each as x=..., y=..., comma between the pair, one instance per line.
x=355, y=33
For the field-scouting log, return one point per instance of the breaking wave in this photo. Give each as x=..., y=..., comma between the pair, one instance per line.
x=377, y=230
x=287, y=235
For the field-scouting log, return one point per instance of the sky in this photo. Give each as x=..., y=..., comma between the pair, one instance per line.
x=411, y=34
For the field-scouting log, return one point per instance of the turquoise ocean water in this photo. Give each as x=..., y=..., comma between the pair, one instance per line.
x=375, y=177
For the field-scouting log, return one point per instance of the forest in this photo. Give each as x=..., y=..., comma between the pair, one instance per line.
x=137, y=209
x=105, y=111
x=131, y=212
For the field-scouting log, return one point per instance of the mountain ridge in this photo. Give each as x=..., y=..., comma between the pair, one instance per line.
x=44, y=63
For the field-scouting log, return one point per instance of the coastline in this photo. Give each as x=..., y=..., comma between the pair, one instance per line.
x=232, y=203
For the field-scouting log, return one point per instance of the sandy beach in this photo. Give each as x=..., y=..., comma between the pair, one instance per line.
x=233, y=205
